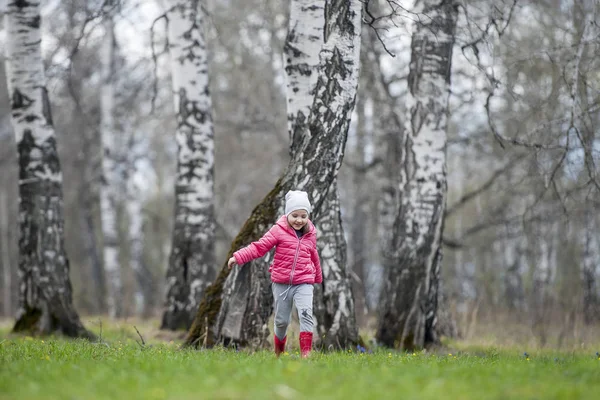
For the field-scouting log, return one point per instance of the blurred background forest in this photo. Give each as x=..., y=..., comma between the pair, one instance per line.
x=522, y=227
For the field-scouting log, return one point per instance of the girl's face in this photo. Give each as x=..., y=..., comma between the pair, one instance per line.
x=298, y=219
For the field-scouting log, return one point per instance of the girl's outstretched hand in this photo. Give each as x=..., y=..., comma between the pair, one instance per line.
x=231, y=262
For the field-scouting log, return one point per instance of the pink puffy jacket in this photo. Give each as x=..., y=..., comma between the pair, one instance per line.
x=296, y=259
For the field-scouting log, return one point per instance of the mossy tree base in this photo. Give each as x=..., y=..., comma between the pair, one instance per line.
x=239, y=304
x=205, y=330
x=38, y=322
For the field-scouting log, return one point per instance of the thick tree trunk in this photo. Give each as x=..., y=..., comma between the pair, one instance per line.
x=409, y=305
x=303, y=43
x=109, y=195
x=192, y=256
x=336, y=326
x=45, y=295
x=238, y=305
x=334, y=301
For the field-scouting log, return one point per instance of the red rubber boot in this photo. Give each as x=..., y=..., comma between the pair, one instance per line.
x=305, y=343
x=279, y=345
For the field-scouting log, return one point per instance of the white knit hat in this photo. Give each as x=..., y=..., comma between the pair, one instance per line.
x=296, y=200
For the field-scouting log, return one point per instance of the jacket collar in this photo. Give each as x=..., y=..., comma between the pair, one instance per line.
x=282, y=222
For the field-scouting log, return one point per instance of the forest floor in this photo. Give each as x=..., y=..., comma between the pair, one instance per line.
x=122, y=367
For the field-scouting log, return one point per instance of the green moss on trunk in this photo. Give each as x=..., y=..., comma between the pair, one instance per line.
x=264, y=214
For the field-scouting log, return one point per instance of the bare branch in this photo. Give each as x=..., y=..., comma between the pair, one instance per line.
x=143, y=344
x=492, y=21
x=373, y=20
x=471, y=195
x=105, y=8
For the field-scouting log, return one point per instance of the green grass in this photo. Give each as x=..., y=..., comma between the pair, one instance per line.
x=53, y=368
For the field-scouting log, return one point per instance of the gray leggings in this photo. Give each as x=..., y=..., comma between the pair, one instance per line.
x=302, y=296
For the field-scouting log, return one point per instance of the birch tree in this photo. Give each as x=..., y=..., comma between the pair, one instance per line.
x=409, y=302
x=192, y=252
x=136, y=247
x=5, y=258
x=587, y=48
x=334, y=307
x=109, y=195
x=237, y=306
x=45, y=295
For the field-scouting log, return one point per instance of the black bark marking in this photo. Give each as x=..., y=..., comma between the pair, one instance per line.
x=409, y=314
x=327, y=132
x=191, y=259
x=20, y=101
x=46, y=110
x=20, y=4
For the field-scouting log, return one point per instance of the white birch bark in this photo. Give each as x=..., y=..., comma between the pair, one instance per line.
x=192, y=259
x=409, y=311
x=301, y=60
x=334, y=307
x=111, y=186
x=313, y=168
x=45, y=296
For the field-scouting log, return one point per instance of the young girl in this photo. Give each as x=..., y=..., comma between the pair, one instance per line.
x=295, y=268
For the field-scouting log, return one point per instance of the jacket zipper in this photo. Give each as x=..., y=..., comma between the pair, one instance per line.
x=295, y=259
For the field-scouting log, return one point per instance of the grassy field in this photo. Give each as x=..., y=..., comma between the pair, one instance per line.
x=52, y=368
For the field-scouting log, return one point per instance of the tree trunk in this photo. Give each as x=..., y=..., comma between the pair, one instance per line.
x=358, y=225
x=98, y=286
x=513, y=279
x=301, y=59
x=109, y=195
x=238, y=305
x=390, y=129
x=192, y=252
x=591, y=245
x=409, y=310
x=5, y=254
x=334, y=300
x=136, y=248
x=542, y=277
x=45, y=295
x=336, y=326
x=591, y=264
